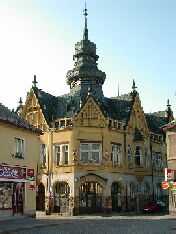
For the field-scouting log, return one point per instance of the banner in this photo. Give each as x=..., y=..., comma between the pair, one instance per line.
x=12, y=172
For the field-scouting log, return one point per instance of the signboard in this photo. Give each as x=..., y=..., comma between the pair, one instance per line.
x=12, y=172
x=169, y=174
x=165, y=185
x=30, y=174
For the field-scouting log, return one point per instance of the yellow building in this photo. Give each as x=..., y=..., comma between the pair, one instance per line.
x=170, y=129
x=97, y=153
x=19, y=155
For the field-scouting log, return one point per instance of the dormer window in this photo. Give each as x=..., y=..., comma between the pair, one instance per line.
x=62, y=124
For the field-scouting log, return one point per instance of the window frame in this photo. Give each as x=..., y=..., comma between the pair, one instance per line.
x=139, y=157
x=20, y=154
x=90, y=150
x=42, y=161
x=62, y=157
x=118, y=153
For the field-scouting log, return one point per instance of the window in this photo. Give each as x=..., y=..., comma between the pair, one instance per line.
x=57, y=154
x=43, y=150
x=61, y=154
x=138, y=156
x=147, y=158
x=90, y=152
x=116, y=154
x=130, y=156
x=65, y=153
x=157, y=160
x=19, y=148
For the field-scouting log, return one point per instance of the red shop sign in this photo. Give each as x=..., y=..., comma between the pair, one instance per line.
x=30, y=172
x=9, y=172
x=165, y=185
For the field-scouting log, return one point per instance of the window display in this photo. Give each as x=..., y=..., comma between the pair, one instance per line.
x=6, y=190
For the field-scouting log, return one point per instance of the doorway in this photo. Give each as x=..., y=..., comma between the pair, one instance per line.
x=40, y=198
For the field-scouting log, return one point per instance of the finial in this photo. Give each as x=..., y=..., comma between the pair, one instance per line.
x=118, y=90
x=85, y=35
x=80, y=103
x=20, y=101
x=34, y=82
x=89, y=91
x=134, y=86
x=168, y=103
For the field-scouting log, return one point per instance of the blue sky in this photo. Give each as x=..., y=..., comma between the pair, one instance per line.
x=135, y=40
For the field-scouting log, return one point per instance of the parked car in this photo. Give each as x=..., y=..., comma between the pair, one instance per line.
x=151, y=207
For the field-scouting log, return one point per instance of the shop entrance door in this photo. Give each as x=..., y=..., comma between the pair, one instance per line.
x=40, y=199
x=18, y=198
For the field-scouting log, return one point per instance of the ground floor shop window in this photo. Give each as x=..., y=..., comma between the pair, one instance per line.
x=6, y=191
x=12, y=196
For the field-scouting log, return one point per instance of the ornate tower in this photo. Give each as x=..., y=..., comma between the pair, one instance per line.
x=85, y=76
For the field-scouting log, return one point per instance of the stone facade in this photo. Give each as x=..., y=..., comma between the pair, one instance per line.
x=171, y=160
x=98, y=154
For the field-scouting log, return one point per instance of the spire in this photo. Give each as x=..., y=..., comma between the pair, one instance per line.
x=168, y=103
x=169, y=112
x=118, y=90
x=20, y=102
x=34, y=82
x=134, y=86
x=85, y=35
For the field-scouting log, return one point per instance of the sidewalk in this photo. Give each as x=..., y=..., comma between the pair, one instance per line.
x=129, y=215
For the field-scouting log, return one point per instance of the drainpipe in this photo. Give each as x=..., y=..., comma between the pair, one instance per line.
x=152, y=170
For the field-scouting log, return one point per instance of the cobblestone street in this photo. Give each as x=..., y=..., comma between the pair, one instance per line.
x=93, y=224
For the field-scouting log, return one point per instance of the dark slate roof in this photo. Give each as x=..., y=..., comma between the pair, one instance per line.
x=47, y=102
x=155, y=123
x=118, y=108
x=11, y=117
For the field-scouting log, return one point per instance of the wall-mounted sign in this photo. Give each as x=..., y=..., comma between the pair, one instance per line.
x=169, y=174
x=10, y=172
x=165, y=185
x=30, y=174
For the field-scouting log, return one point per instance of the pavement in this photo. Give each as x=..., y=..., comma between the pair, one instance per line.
x=121, y=224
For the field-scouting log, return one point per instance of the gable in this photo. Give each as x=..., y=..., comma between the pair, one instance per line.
x=137, y=121
x=33, y=113
x=90, y=115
